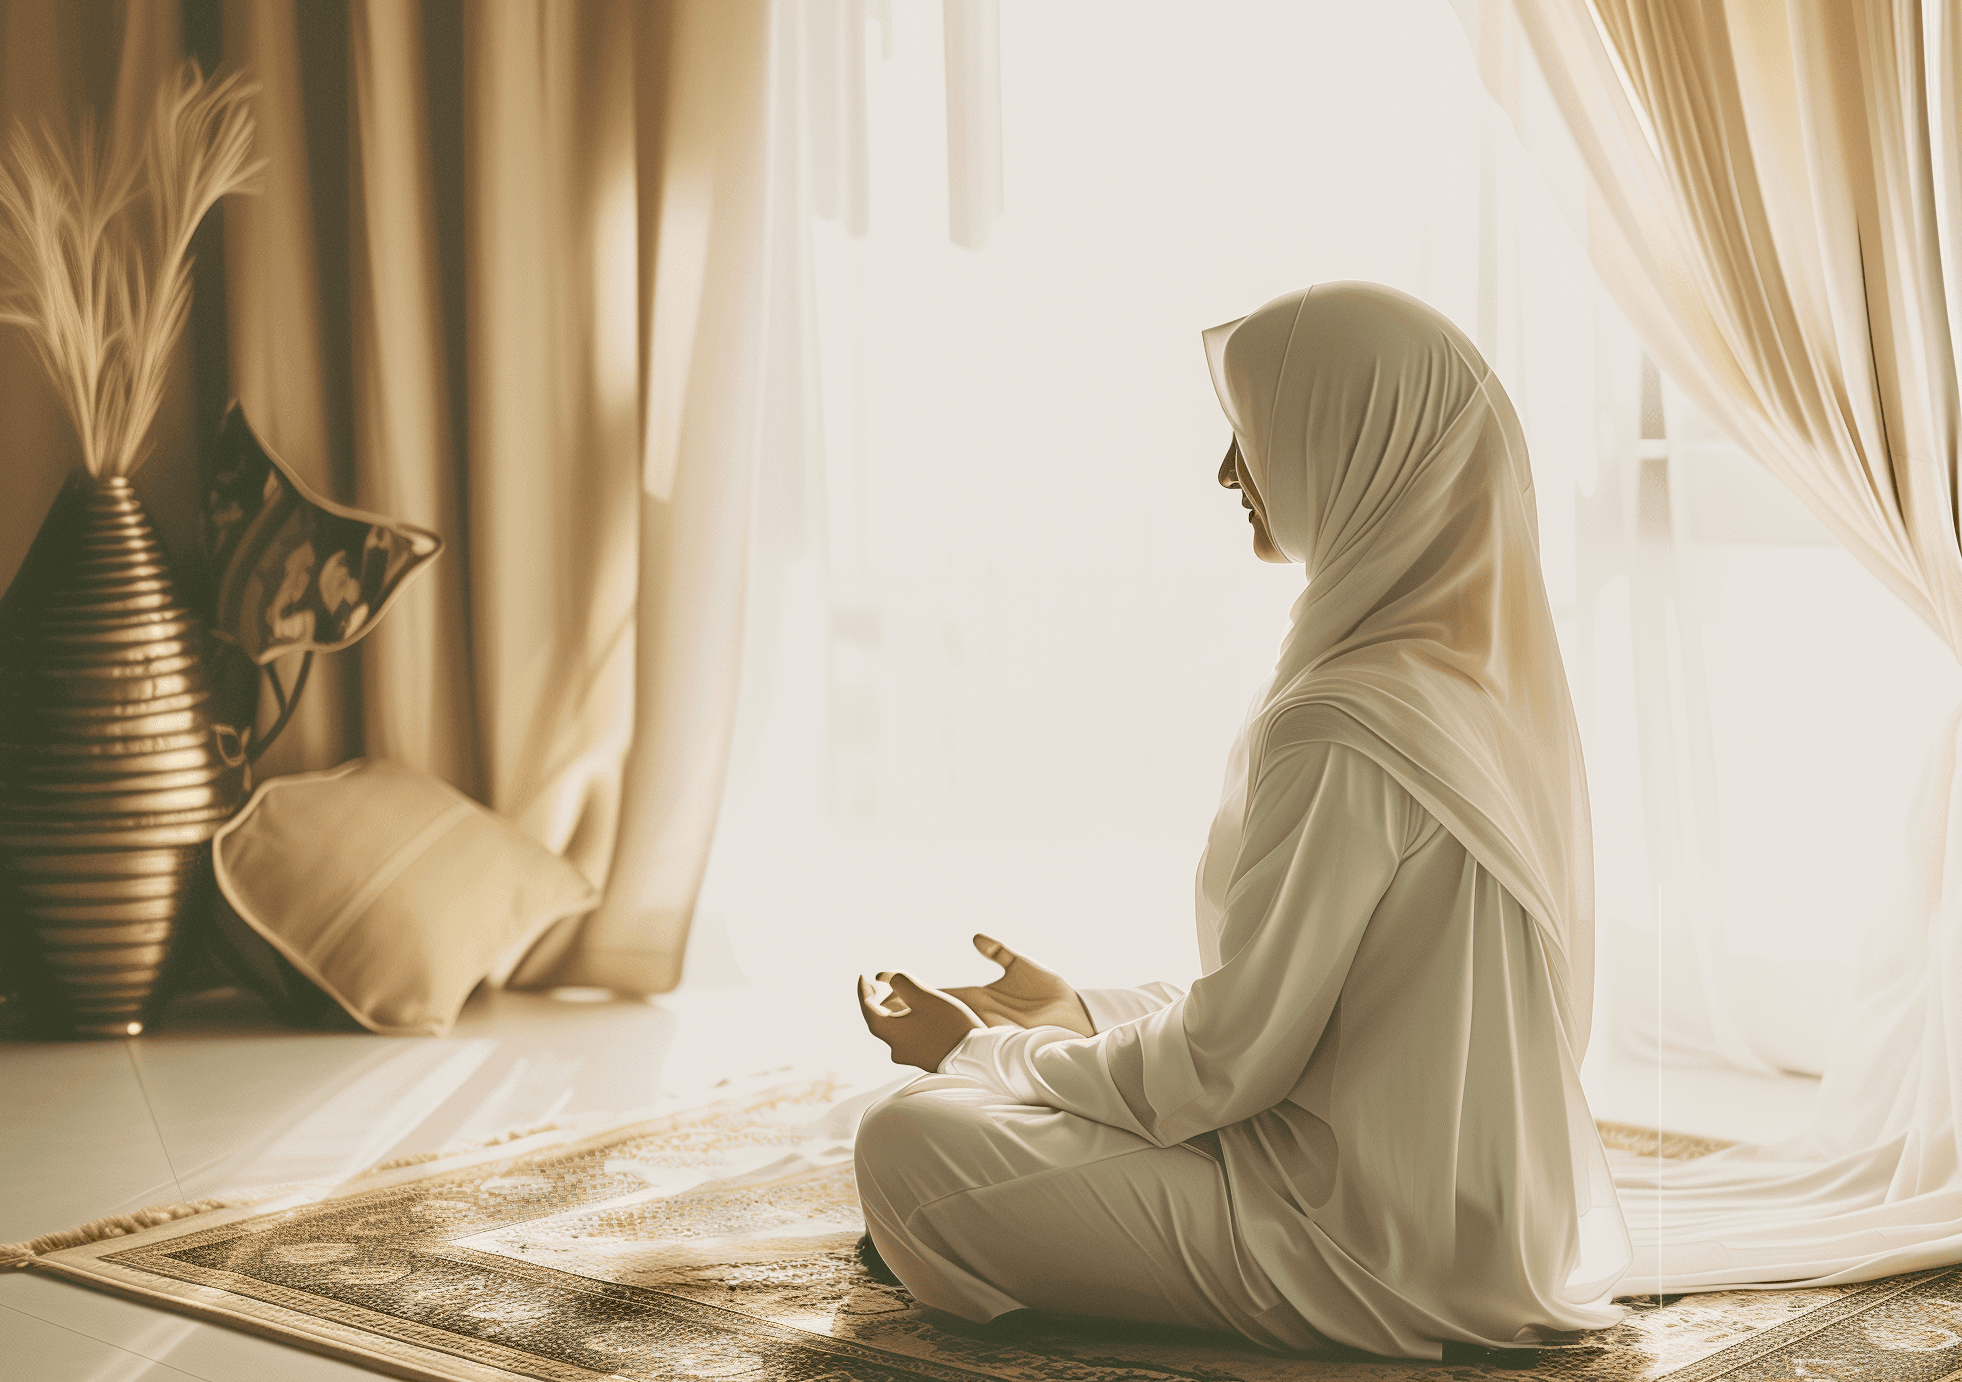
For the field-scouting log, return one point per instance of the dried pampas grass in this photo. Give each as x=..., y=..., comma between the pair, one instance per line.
x=95, y=249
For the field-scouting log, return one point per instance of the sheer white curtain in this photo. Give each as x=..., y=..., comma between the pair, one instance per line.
x=1770, y=191
x=1764, y=809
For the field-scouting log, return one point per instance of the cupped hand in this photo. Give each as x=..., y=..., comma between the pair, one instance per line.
x=920, y=1024
x=1026, y=995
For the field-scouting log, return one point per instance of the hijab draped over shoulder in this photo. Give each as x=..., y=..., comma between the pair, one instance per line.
x=1389, y=462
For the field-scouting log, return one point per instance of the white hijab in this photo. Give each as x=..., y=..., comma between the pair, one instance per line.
x=1390, y=463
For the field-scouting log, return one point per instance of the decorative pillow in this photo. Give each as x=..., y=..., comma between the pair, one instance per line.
x=295, y=571
x=389, y=889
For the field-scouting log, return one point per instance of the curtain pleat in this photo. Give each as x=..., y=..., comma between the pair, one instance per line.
x=701, y=203
x=551, y=466
x=287, y=346
x=407, y=453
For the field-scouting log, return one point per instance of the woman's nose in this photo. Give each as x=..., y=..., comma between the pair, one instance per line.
x=1229, y=469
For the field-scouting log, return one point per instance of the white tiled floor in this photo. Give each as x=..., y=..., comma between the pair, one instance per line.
x=218, y=1096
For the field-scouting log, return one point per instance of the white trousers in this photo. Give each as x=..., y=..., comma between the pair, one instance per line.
x=981, y=1206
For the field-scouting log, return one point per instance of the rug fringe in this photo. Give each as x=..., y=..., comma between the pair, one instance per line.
x=113, y=1226
x=19, y=1255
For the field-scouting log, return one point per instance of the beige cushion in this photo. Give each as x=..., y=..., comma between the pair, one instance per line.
x=391, y=890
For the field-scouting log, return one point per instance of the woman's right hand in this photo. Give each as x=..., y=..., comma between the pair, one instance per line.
x=918, y=1024
x=1026, y=995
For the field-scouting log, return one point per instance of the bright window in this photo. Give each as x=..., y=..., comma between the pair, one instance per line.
x=1004, y=625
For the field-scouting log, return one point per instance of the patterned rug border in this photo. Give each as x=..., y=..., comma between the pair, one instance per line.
x=1827, y=1315
x=297, y=1328
x=307, y=1332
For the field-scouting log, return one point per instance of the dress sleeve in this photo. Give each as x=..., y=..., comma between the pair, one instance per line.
x=1109, y=1007
x=1325, y=831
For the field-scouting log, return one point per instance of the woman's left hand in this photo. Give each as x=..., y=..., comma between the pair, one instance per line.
x=920, y=1025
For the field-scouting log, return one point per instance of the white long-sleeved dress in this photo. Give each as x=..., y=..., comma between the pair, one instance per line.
x=1364, y=1125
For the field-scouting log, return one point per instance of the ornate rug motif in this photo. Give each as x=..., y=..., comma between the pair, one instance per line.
x=717, y=1243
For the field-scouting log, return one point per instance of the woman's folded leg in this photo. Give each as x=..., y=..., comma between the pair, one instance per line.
x=982, y=1206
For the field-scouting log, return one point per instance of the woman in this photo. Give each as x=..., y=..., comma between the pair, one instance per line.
x=1364, y=1123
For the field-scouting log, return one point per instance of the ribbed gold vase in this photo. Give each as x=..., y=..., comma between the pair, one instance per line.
x=113, y=777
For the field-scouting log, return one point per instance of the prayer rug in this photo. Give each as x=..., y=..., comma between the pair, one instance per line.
x=716, y=1242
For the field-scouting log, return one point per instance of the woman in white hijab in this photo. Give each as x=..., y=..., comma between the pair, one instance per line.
x=1364, y=1123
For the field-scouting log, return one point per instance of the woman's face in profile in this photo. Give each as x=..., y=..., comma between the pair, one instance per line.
x=1232, y=475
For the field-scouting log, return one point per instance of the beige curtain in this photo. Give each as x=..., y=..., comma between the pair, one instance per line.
x=1773, y=196
x=503, y=280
